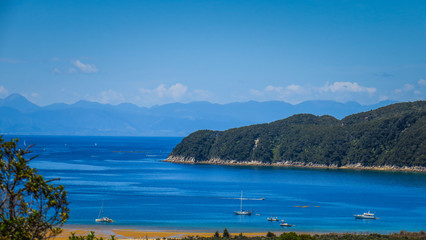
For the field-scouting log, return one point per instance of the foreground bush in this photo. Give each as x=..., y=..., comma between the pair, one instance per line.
x=90, y=236
x=329, y=236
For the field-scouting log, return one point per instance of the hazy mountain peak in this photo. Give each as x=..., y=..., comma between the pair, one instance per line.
x=19, y=102
x=89, y=104
x=14, y=96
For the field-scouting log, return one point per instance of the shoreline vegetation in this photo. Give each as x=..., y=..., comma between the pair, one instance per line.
x=99, y=233
x=289, y=164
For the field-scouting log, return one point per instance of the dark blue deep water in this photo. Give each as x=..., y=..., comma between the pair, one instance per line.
x=141, y=191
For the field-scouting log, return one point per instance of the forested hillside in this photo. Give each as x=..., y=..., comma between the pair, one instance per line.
x=394, y=135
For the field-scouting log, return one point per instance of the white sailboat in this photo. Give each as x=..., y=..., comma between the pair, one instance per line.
x=103, y=219
x=242, y=211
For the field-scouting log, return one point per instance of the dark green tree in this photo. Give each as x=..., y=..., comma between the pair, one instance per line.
x=270, y=235
x=288, y=236
x=216, y=235
x=226, y=233
x=30, y=206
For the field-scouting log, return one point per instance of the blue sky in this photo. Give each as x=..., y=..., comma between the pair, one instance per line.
x=157, y=52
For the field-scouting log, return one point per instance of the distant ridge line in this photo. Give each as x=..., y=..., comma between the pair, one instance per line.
x=84, y=118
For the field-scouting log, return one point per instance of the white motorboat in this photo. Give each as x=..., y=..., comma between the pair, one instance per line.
x=284, y=224
x=273, y=219
x=366, y=215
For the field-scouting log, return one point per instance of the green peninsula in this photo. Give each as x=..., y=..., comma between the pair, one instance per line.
x=391, y=137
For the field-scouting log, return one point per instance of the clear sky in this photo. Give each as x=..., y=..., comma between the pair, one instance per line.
x=157, y=52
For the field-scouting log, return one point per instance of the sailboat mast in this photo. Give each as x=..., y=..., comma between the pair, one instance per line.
x=241, y=204
x=102, y=210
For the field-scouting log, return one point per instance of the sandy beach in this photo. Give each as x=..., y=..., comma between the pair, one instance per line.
x=123, y=233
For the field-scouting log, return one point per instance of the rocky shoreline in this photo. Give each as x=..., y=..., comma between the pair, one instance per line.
x=217, y=161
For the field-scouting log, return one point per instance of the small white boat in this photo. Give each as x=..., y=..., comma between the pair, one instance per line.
x=273, y=219
x=366, y=215
x=103, y=219
x=284, y=224
x=242, y=211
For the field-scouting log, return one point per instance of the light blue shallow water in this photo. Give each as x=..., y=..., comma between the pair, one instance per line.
x=141, y=191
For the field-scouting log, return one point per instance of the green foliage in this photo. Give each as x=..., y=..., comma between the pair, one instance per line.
x=329, y=236
x=372, y=236
x=393, y=135
x=201, y=143
x=288, y=236
x=90, y=236
x=216, y=235
x=270, y=235
x=226, y=233
x=30, y=206
x=240, y=236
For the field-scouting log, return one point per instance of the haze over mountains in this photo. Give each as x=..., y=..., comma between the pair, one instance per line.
x=20, y=116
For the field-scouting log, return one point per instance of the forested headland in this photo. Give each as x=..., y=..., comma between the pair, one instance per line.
x=391, y=137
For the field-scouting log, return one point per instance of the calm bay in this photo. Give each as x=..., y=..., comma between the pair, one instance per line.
x=139, y=190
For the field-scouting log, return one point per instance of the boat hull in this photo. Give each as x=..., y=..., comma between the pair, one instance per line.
x=242, y=213
x=363, y=217
x=104, y=220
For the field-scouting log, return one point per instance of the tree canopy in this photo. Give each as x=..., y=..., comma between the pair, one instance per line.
x=30, y=206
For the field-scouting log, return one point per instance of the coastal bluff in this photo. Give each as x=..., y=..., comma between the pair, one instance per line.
x=389, y=138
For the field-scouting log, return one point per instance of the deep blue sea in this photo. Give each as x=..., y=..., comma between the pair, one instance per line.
x=139, y=190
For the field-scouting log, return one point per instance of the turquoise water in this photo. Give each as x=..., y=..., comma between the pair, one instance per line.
x=141, y=191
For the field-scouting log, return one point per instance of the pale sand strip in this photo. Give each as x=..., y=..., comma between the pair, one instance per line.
x=139, y=234
x=285, y=164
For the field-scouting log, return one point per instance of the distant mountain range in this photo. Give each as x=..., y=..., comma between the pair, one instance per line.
x=20, y=116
